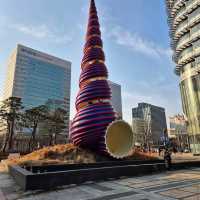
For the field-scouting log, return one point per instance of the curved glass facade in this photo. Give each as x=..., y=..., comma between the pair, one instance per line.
x=184, y=22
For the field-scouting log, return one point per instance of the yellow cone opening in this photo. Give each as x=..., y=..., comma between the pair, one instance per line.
x=119, y=139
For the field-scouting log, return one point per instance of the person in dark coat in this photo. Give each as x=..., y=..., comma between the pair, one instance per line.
x=159, y=150
x=168, y=159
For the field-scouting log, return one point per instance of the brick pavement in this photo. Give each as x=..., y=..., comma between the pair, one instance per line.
x=182, y=184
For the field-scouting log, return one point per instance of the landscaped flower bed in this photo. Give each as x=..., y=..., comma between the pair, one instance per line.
x=69, y=154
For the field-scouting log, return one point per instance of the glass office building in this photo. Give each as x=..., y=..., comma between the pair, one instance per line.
x=39, y=79
x=155, y=122
x=184, y=22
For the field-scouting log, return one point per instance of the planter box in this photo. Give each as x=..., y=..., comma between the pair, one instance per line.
x=47, y=177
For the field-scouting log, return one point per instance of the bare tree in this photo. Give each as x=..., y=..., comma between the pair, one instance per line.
x=56, y=124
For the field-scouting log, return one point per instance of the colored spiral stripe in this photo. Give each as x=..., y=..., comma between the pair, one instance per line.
x=94, y=110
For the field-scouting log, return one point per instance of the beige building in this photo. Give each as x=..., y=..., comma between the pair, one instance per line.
x=178, y=131
x=177, y=126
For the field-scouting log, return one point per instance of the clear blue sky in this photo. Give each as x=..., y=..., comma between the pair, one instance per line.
x=136, y=44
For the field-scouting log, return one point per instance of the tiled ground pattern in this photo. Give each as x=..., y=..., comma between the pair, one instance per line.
x=182, y=184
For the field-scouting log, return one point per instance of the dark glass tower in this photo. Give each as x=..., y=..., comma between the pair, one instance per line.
x=155, y=121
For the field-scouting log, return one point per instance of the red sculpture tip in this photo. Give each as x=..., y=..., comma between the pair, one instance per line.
x=92, y=4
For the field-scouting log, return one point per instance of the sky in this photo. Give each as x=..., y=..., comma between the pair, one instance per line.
x=136, y=44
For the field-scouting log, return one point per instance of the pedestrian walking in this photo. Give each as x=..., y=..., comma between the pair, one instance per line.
x=168, y=159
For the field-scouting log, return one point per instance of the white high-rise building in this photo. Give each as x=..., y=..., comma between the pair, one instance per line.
x=116, y=99
x=38, y=79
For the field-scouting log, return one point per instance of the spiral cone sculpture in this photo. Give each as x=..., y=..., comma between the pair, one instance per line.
x=94, y=110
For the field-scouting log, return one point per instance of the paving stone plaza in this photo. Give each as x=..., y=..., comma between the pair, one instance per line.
x=182, y=184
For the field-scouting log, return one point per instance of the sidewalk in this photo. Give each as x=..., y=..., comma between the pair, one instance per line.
x=182, y=184
x=180, y=157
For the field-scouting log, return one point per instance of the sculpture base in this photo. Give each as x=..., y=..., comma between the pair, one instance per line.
x=51, y=176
